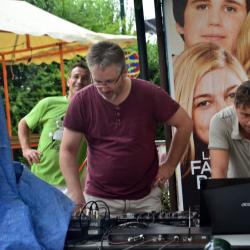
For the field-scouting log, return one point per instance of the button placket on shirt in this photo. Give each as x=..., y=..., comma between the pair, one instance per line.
x=117, y=116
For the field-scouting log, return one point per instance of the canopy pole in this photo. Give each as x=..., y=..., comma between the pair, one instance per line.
x=141, y=39
x=165, y=84
x=6, y=97
x=62, y=70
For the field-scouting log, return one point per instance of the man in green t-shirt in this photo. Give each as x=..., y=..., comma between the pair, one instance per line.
x=49, y=114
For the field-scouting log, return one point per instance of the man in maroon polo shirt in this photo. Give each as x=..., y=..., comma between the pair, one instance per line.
x=117, y=116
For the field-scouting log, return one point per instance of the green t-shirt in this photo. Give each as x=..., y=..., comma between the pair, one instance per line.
x=49, y=114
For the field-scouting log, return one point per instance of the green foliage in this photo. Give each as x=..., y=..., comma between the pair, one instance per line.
x=29, y=84
x=96, y=15
x=153, y=63
x=154, y=76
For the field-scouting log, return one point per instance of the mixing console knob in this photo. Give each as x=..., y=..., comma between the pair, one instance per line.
x=176, y=238
x=160, y=238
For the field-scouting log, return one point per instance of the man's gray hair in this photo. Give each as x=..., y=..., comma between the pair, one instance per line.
x=104, y=54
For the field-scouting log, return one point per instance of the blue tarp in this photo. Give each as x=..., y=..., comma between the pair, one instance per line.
x=33, y=214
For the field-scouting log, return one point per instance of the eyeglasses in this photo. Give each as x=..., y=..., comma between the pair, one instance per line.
x=108, y=82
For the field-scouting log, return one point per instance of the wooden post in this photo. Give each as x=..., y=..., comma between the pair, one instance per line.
x=62, y=70
x=6, y=97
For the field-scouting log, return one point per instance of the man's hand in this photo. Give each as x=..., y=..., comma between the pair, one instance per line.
x=31, y=155
x=164, y=173
x=183, y=125
x=78, y=209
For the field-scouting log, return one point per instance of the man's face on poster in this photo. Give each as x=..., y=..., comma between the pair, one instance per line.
x=217, y=21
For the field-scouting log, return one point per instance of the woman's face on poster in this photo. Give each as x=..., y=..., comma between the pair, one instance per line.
x=217, y=21
x=214, y=91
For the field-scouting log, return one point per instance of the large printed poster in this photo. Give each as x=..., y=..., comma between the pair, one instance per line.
x=207, y=50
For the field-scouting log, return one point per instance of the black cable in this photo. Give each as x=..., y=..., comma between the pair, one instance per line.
x=86, y=204
x=81, y=219
x=123, y=225
x=105, y=205
x=138, y=217
x=96, y=208
x=87, y=217
x=106, y=233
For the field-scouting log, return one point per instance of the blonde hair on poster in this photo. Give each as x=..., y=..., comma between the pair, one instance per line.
x=190, y=66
